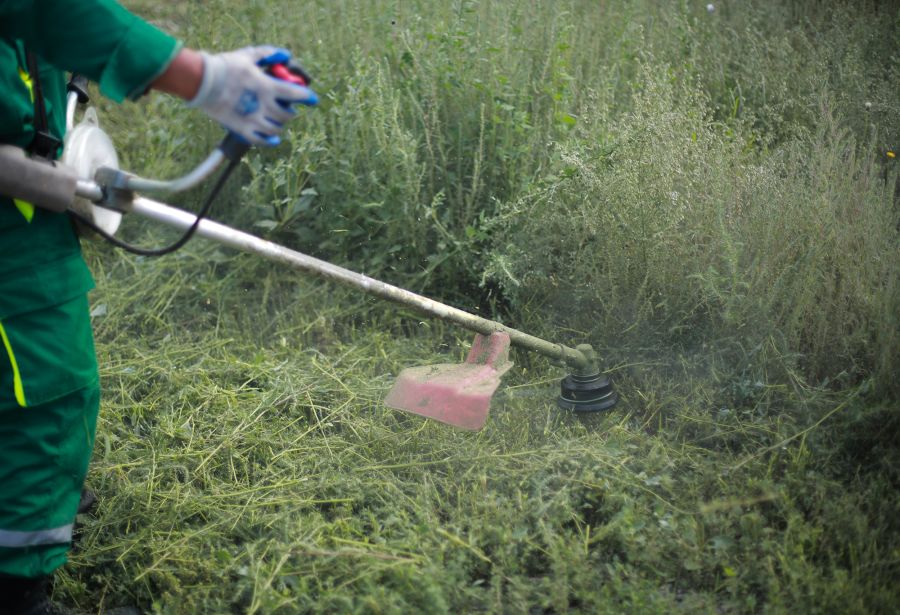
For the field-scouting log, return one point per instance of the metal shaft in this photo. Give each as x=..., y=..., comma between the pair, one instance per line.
x=203, y=170
x=245, y=242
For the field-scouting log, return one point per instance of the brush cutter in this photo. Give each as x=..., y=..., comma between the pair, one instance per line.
x=89, y=185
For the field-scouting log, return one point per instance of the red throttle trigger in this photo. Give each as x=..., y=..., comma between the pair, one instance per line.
x=290, y=72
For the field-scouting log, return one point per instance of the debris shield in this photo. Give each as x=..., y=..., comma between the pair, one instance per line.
x=456, y=394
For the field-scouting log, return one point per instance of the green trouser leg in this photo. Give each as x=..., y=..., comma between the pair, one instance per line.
x=48, y=358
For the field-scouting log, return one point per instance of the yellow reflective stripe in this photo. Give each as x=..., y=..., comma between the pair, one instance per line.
x=26, y=79
x=17, y=377
x=25, y=208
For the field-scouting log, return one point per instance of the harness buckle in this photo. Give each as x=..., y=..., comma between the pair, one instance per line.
x=44, y=145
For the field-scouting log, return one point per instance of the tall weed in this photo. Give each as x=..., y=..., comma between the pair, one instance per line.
x=633, y=169
x=664, y=224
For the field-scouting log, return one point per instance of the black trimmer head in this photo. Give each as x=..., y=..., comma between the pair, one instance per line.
x=580, y=393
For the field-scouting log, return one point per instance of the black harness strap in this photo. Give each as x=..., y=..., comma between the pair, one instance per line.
x=44, y=143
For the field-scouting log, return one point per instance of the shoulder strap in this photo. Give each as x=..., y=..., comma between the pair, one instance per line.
x=44, y=143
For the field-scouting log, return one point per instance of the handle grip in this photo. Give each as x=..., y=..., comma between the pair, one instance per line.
x=49, y=185
x=233, y=146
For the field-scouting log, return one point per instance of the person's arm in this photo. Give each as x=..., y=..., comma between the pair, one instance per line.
x=232, y=88
x=183, y=76
x=99, y=39
x=127, y=56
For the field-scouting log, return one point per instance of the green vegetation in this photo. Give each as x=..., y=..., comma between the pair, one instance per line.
x=706, y=197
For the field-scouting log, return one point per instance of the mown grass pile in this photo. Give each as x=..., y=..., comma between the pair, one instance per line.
x=708, y=197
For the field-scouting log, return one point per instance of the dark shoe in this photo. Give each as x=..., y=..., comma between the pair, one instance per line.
x=87, y=502
x=29, y=597
x=85, y=505
x=22, y=596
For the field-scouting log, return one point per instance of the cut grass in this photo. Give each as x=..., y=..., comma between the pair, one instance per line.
x=259, y=472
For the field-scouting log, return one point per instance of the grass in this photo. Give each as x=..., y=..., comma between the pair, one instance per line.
x=705, y=197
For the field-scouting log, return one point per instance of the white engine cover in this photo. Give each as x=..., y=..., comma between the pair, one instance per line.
x=87, y=148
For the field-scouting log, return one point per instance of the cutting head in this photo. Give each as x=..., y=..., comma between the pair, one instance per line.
x=459, y=395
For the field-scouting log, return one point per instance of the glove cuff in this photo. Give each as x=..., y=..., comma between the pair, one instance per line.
x=210, y=82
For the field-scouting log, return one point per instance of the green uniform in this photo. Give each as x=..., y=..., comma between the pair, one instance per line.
x=49, y=393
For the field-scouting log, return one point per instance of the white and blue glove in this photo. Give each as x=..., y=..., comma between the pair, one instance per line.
x=236, y=92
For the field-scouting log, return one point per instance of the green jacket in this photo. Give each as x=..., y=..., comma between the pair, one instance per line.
x=40, y=258
x=44, y=326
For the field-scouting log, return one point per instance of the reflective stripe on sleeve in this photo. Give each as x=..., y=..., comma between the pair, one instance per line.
x=18, y=389
x=54, y=536
x=25, y=208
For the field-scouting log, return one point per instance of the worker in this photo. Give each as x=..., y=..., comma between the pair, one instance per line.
x=49, y=390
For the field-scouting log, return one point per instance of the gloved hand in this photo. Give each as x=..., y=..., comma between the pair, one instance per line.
x=237, y=93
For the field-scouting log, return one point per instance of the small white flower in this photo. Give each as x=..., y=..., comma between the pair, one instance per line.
x=710, y=7
x=868, y=105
